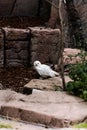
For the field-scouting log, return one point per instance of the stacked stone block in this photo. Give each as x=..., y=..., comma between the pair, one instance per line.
x=16, y=47
x=21, y=47
x=45, y=45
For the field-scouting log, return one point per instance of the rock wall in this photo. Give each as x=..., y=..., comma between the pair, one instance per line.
x=45, y=44
x=21, y=47
x=63, y=14
x=54, y=20
x=25, y=8
x=74, y=16
x=59, y=15
x=16, y=47
x=18, y=7
x=81, y=7
x=6, y=7
x=30, y=8
x=1, y=49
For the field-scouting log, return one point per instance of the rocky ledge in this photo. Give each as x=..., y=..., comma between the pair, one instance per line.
x=49, y=108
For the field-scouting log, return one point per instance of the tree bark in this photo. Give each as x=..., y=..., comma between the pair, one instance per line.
x=60, y=62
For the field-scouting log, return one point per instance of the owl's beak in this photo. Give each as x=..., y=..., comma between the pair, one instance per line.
x=36, y=64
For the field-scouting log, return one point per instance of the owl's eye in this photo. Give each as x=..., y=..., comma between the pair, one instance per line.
x=37, y=64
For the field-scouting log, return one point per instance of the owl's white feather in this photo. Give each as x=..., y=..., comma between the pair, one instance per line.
x=44, y=70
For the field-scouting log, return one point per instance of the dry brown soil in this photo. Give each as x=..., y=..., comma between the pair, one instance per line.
x=21, y=22
x=15, y=78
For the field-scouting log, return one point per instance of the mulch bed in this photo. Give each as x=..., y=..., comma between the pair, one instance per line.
x=15, y=78
x=21, y=22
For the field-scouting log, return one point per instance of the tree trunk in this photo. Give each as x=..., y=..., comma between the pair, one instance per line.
x=60, y=62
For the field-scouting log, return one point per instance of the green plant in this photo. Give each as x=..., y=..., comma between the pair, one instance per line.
x=78, y=73
x=5, y=125
x=81, y=125
x=57, y=88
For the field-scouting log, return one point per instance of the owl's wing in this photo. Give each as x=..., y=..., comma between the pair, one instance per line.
x=44, y=70
x=49, y=72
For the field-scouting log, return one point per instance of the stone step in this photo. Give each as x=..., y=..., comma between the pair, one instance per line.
x=54, y=84
x=51, y=109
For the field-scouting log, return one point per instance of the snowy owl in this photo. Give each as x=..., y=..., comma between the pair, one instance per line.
x=44, y=70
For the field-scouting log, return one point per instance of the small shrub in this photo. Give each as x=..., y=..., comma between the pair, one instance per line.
x=78, y=73
x=81, y=125
x=57, y=88
x=5, y=126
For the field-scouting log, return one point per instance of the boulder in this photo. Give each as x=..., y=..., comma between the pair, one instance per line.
x=51, y=109
x=70, y=56
x=46, y=84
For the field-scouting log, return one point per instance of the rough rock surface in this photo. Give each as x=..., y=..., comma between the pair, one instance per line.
x=1, y=49
x=47, y=84
x=16, y=34
x=56, y=109
x=54, y=15
x=17, y=44
x=1, y=86
x=81, y=8
x=5, y=7
x=73, y=16
x=18, y=8
x=71, y=56
x=14, y=47
x=22, y=126
x=45, y=44
x=20, y=47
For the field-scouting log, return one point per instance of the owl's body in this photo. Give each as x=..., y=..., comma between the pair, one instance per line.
x=44, y=70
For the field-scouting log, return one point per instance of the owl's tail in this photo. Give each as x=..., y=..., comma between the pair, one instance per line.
x=56, y=73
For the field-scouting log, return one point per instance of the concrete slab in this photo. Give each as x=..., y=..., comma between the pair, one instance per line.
x=52, y=109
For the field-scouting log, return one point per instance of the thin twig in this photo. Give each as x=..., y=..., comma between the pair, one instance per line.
x=52, y=4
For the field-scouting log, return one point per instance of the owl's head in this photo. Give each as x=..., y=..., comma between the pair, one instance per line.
x=37, y=63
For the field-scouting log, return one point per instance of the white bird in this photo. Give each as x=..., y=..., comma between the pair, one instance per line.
x=44, y=70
